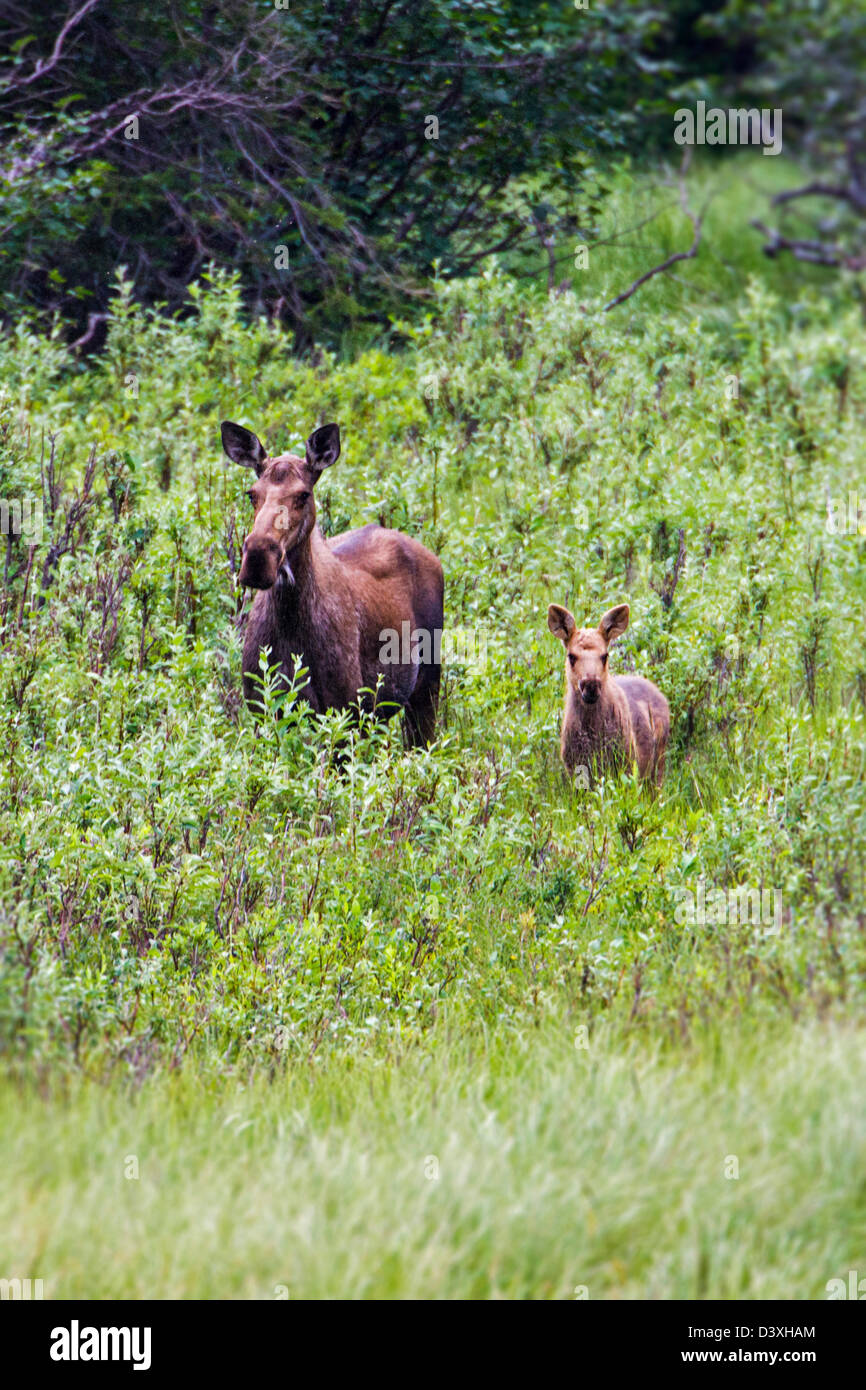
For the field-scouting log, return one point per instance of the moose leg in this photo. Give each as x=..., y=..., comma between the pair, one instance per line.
x=420, y=709
x=660, y=765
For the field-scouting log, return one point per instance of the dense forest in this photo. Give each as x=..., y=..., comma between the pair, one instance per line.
x=336, y=153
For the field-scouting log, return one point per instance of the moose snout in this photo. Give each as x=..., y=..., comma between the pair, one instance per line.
x=589, y=691
x=260, y=564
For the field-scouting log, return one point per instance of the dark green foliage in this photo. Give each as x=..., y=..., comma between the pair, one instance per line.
x=306, y=128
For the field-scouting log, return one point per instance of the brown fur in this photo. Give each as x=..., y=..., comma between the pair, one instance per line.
x=609, y=721
x=329, y=601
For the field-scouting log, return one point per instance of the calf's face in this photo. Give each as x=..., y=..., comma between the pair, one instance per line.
x=586, y=648
x=285, y=511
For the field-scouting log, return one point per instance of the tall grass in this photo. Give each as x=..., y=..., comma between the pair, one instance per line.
x=526, y=1168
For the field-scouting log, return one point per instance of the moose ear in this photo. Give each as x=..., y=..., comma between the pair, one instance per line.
x=242, y=446
x=614, y=623
x=323, y=448
x=560, y=622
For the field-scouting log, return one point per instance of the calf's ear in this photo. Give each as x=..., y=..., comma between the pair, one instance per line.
x=242, y=446
x=560, y=622
x=323, y=449
x=614, y=622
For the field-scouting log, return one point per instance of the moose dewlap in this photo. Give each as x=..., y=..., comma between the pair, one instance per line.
x=609, y=721
x=330, y=600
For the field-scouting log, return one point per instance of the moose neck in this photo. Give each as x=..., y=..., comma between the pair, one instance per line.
x=291, y=600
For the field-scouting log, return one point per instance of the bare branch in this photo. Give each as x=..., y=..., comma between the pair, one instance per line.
x=696, y=220
x=43, y=66
x=810, y=251
x=812, y=190
x=93, y=322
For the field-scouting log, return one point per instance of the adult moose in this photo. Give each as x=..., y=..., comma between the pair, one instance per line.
x=330, y=601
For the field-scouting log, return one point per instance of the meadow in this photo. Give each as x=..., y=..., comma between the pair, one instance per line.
x=434, y=1023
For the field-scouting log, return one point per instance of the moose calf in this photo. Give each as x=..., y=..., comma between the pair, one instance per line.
x=608, y=721
x=331, y=601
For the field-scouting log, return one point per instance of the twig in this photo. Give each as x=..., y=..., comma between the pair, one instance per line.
x=42, y=67
x=696, y=219
x=93, y=322
x=804, y=249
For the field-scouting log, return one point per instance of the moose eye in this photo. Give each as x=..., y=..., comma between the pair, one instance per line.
x=572, y=658
x=302, y=499
x=604, y=659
